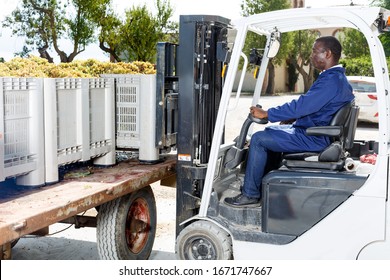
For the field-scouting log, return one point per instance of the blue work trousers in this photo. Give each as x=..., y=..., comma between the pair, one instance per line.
x=280, y=138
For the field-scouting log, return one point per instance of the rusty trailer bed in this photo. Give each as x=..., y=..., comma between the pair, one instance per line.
x=27, y=211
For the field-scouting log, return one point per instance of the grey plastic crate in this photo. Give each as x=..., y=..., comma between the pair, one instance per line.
x=128, y=89
x=21, y=130
x=79, y=122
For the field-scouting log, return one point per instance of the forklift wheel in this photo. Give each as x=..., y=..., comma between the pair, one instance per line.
x=204, y=240
x=126, y=226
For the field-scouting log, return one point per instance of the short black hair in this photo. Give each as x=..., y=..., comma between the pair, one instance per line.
x=332, y=44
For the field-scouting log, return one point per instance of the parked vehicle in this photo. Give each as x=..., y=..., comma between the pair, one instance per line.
x=364, y=89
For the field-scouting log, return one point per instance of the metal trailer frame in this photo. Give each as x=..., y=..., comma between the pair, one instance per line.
x=126, y=220
x=29, y=210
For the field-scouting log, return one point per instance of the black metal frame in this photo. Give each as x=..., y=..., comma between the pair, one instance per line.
x=200, y=89
x=166, y=96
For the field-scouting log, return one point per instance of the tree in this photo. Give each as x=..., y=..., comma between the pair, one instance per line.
x=45, y=22
x=250, y=7
x=168, y=30
x=109, y=34
x=302, y=43
x=142, y=31
x=354, y=43
x=138, y=31
x=359, y=66
x=135, y=37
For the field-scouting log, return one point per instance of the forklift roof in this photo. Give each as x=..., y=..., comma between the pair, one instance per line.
x=315, y=18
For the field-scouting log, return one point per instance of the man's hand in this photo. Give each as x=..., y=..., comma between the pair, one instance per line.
x=258, y=112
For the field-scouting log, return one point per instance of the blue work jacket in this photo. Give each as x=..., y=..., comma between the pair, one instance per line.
x=327, y=95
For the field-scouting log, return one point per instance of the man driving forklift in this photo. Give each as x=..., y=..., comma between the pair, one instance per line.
x=330, y=92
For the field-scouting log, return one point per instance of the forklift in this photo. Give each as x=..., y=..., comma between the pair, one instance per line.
x=317, y=208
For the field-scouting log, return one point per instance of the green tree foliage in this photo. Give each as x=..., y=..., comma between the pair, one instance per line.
x=47, y=24
x=135, y=37
x=168, y=29
x=354, y=44
x=109, y=37
x=139, y=29
x=251, y=7
x=44, y=22
x=358, y=66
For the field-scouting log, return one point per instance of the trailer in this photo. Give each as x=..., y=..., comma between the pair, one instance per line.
x=121, y=194
x=68, y=145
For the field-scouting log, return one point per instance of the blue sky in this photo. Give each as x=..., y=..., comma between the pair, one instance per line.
x=229, y=9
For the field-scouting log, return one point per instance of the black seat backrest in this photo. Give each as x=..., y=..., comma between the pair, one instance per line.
x=341, y=116
x=347, y=118
x=350, y=129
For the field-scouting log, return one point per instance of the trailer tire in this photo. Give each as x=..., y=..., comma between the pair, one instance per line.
x=204, y=240
x=126, y=226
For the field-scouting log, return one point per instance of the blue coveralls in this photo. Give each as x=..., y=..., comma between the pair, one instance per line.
x=327, y=95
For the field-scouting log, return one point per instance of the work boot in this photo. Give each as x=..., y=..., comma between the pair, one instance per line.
x=242, y=200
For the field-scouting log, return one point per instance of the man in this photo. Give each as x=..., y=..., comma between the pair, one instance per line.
x=327, y=95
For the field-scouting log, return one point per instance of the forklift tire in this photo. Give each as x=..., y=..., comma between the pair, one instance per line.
x=204, y=240
x=126, y=226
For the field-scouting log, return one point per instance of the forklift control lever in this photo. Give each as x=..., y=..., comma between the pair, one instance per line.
x=257, y=120
x=236, y=154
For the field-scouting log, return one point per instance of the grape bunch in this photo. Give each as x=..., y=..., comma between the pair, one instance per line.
x=36, y=67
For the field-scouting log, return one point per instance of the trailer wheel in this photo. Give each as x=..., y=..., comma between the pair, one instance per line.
x=126, y=226
x=204, y=240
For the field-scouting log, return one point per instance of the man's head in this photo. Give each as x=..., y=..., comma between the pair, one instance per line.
x=326, y=52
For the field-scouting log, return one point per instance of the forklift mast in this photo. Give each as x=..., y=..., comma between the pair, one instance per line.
x=201, y=58
x=166, y=96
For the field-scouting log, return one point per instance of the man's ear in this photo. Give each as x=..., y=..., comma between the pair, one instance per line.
x=328, y=53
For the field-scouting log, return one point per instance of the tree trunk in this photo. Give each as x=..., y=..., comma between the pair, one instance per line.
x=110, y=51
x=44, y=54
x=308, y=78
x=271, y=79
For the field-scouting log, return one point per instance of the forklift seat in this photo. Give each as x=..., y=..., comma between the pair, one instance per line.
x=341, y=130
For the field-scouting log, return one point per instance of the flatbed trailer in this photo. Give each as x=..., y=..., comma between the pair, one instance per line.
x=120, y=193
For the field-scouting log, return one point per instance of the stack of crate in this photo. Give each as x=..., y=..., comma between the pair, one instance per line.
x=79, y=122
x=51, y=122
